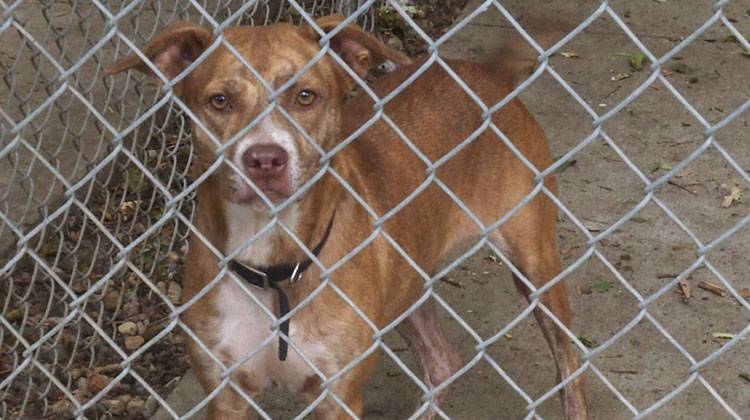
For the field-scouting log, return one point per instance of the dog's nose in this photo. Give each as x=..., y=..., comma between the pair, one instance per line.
x=265, y=160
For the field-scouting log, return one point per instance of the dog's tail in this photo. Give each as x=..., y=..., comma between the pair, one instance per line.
x=515, y=57
x=515, y=61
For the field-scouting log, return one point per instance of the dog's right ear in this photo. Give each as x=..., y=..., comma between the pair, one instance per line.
x=171, y=50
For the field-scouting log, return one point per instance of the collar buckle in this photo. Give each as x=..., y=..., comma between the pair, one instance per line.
x=296, y=275
x=261, y=282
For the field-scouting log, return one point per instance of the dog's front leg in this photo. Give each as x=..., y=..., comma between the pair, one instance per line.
x=434, y=354
x=347, y=389
x=227, y=404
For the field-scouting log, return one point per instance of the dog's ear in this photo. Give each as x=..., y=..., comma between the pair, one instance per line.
x=171, y=50
x=358, y=48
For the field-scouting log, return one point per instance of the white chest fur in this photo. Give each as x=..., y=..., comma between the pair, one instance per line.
x=244, y=326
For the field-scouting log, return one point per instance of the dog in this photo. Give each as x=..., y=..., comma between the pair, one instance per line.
x=244, y=281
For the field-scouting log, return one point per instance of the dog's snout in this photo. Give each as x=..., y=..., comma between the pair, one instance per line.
x=265, y=160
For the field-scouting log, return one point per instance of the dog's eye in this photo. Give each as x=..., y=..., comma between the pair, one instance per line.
x=219, y=102
x=306, y=97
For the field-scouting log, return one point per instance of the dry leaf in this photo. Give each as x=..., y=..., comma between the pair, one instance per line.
x=745, y=292
x=569, y=54
x=713, y=288
x=594, y=226
x=724, y=336
x=620, y=76
x=685, y=289
x=174, y=291
x=127, y=208
x=733, y=196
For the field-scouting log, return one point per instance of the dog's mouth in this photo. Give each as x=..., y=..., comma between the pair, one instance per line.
x=276, y=190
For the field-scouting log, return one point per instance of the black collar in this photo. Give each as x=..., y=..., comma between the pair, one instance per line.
x=271, y=276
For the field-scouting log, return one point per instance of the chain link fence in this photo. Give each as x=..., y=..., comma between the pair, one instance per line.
x=97, y=205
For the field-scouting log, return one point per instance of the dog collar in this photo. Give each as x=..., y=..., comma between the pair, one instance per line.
x=271, y=276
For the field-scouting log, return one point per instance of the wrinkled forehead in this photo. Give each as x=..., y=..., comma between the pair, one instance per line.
x=277, y=53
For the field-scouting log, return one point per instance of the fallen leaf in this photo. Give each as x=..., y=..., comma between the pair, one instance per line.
x=127, y=209
x=660, y=166
x=745, y=293
x=620, y=76
x=603, y=286
x=452, y=282
x=625, y=371
x=734, y=195
x=636, y=60
x=586, y=342
x=568, y=54
x=724, y=336
x=594, y=226
x=685, y=289
x=713, y=288
x=567, y=164
x=174, y=291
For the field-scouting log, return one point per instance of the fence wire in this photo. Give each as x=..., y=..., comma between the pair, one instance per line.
x=100, y=235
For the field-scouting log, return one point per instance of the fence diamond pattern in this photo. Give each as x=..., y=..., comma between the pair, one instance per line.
x=105, y=226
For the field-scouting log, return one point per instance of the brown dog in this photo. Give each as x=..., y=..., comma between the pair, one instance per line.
x=332, y=346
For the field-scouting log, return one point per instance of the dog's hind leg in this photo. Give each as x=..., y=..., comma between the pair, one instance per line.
x=535, y=255
x=434, y=354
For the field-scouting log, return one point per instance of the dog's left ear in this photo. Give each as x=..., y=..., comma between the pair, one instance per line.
x=171, y=51
x=358, y=48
